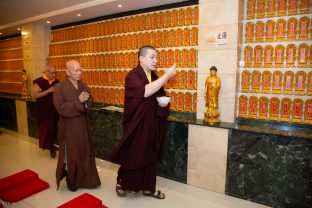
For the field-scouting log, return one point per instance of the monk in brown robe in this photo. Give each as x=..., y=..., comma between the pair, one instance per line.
x=144, y=127
x=47, y=116
x=72, y=100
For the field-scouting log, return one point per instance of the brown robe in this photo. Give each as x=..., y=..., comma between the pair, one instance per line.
x=46, y=115
x=141, y=145
x=75, y=133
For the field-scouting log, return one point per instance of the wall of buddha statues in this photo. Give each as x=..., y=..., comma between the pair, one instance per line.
x=11, y=65
x=107, y=50
x=275, y=74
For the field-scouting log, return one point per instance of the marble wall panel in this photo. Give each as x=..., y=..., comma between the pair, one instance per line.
x=218, y=12
x=106, y=131
x=32, y=119
x=270, y=169
x=21, y=115
x=207, y=156
x=174, y=163
x=8, y=118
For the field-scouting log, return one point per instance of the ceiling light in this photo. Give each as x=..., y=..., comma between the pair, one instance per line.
x=0, y=33
x=119, y=5
x=79, y=15
x=24, y=33
x=48, y=22
x=18, y=29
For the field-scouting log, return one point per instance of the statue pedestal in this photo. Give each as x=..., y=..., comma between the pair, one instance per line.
x=212, y=116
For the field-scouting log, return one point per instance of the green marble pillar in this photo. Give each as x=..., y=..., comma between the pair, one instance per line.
x=32, y=119
x=8, y=117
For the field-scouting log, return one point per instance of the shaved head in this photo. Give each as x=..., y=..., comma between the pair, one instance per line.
x=73, y=70
x=144, y=49
x=50, y=68
x=72, y=64
x=50, y=72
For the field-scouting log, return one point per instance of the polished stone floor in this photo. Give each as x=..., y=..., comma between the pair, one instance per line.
x=18, y=152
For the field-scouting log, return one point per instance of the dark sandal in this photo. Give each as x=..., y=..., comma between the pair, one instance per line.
x=119, y=191
x=157, y=194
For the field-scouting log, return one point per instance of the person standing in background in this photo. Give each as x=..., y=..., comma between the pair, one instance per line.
x=43, y=88
x=72, y=100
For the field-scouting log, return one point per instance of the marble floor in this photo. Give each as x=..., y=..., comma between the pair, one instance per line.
x=18, y=152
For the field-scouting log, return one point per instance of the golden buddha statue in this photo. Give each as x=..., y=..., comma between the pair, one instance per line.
x=25, y=94
x=212, y=88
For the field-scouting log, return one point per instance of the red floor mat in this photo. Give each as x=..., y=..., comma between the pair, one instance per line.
x=83, y=201
x=24, y=190
x=17, y=179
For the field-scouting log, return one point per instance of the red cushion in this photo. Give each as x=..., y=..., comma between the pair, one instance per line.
x=17, y=179
x=24, y=190
x=83, y=201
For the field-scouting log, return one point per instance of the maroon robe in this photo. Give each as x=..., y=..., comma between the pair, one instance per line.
x=75, y=134
x=46, y=115
x=141, y=145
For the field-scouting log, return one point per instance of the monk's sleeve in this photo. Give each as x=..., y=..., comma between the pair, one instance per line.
x=162, y=112
x=134, y=95
x=134, y=86
x=71, y=108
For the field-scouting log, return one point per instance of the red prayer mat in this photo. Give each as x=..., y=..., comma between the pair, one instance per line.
x=22, y=191
x=17, y=179
x=84, y=201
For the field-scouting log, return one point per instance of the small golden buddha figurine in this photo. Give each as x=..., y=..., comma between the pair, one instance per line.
x=25, y=94
x=212, y=88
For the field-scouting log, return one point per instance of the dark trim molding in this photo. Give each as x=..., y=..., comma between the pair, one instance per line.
x=124, y=14
x=10, y=36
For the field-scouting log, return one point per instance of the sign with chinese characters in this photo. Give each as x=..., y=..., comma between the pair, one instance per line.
x=245, y=81
x=263, y=108
x=222, y=38
x=274, y=108
x=255, y=81
x=253, y=107
x=217, y=38
x=297, y=110
x=243, y=102
x=308, y=112
x=285, y=109
x=277, y=82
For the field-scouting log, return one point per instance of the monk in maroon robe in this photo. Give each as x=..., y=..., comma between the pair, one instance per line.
x=72, y=100
x=144, y=127
x=43, y=88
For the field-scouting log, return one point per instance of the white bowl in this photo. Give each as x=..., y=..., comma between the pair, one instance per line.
x=163, y=100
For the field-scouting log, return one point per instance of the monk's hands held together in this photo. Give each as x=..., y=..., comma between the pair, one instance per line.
x=84, y=96
x=51, y=89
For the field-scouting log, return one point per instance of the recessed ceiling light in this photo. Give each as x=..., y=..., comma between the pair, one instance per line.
x=119, y=5
x=79, y=15
x=18, y=29
x=48, y=22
